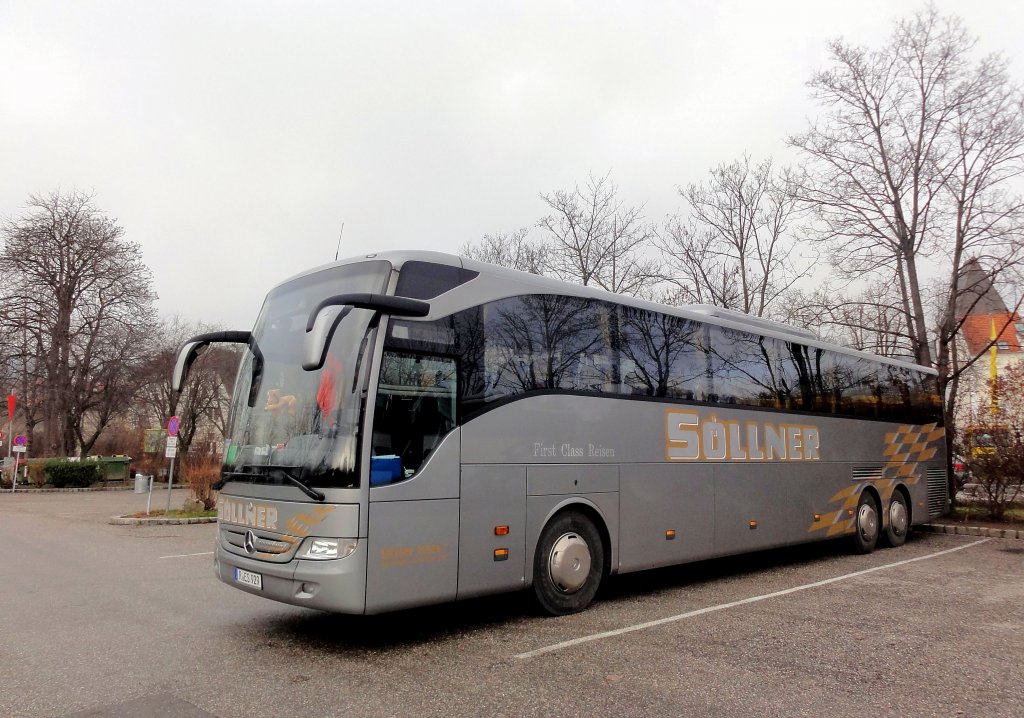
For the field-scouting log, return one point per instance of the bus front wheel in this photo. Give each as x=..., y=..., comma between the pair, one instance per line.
x=866, y=524
x=568, y=565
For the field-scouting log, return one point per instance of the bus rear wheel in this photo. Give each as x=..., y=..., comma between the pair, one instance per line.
x=898, y=523
x=866, y=524
x=568, y=565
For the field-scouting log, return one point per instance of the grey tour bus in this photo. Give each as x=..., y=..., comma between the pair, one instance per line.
x=409, y=428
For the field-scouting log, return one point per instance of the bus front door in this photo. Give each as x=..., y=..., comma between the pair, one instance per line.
x=414, y=535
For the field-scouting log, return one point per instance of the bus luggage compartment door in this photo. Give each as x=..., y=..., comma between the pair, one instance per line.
x=492, y=533
x=413, y=553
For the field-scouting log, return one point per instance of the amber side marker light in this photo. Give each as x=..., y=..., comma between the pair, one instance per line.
x=501, y=554
x=501, y=530
x=817, y=517
x=670, y=535
x=753, y=525
x=849, y=512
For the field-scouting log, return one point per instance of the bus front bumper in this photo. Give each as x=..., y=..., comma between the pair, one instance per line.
x=335, y=585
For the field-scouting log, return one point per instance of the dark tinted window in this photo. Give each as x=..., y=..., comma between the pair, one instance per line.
x=799, y=375
x=743, y=368
x=545, y=342
x=426, y=280
x=854, y=386
x=894, y=391
x=550, y=343
x=924, y=398
x=662, y=355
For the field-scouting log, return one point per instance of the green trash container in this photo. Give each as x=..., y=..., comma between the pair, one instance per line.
x=115, y=468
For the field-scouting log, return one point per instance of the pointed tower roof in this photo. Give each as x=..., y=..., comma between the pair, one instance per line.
x=980, y=308
x=977, y=293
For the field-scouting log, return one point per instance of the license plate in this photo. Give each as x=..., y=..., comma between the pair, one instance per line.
x=249, y=578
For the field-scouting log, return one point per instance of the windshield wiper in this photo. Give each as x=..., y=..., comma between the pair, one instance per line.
x=284, y=471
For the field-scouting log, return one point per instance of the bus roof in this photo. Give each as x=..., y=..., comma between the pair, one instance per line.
x=527, y=283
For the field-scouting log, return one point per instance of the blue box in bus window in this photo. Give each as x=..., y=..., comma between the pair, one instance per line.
x=385, y=469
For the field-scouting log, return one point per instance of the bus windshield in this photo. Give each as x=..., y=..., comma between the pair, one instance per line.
x=288, y=424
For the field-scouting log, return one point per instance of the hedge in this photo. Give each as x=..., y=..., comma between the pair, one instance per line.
x=64, y=474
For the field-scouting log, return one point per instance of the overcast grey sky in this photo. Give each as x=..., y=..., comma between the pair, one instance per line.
x=232, y=139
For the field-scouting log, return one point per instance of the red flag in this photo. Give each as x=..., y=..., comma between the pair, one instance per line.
x=10, y=406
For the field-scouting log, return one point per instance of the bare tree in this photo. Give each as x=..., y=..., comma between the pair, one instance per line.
x=206, y=395
x=78, y=298
x=733, y=250
x=594, y=239
x=511, y=249
x=987, y=222
x=912, y=164
x=108, y=388
x=870, y=320
x=25, y=367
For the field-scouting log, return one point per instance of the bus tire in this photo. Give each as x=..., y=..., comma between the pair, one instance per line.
x=568, y=565
x=897, y=520
x=866, y=522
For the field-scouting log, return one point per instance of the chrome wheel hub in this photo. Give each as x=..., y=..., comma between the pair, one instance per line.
x=867, y=522
x=898, y=518
x=569, y=562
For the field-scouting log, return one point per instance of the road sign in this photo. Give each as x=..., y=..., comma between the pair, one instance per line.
x=172, y=426
x=172, y=441
x=151, y=440
x=170, y=452
x=20, y=449
x=11, y=402
x=20, y=440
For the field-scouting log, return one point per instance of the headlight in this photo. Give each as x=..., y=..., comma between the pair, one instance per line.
x=322, y=549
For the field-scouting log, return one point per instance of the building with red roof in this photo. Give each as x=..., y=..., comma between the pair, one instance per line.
x=982, y=311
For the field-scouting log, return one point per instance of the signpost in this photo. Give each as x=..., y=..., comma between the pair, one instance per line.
x=171, y=452
x=11, y=402
x=20, y=447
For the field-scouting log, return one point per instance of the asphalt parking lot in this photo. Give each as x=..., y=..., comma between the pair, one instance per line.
x=101, y=620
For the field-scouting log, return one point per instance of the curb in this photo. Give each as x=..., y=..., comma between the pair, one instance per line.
x=972, y=531
x=72, y=490
x=160, y=521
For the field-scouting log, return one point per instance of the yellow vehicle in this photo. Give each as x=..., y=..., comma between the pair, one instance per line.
x=982, y=440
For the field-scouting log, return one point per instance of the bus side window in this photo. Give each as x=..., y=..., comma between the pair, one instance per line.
x=414, y=410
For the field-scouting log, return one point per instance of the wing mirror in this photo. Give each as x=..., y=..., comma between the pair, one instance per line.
x=317, y=339
x=196, y=346
x=326, y=316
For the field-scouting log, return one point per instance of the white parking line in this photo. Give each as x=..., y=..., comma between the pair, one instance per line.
x=721, y=607
x=183, y=555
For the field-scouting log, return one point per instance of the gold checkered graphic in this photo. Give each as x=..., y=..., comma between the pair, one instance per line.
x=905, y=448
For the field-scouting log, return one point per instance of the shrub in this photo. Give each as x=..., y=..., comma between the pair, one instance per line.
x=64, y=474
x=37, y=475
x=1000, y=476
x=200, y=472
